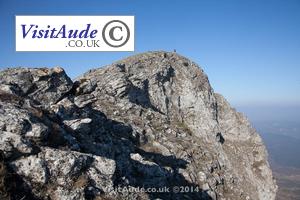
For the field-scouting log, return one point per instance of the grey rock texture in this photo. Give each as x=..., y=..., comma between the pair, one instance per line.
x=149, y=121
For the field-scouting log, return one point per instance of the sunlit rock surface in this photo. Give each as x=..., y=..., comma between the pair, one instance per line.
x=149, y=121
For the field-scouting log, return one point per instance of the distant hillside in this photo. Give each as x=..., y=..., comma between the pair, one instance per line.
x=283, y=145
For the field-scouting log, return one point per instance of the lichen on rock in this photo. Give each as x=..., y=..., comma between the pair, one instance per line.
x=148, y=121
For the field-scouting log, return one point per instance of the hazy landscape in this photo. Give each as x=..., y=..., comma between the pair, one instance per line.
x=280, y=129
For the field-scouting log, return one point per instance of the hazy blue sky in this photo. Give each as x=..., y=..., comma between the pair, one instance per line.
x=250, y=49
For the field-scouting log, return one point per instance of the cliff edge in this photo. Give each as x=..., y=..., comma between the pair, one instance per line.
x=147, y=122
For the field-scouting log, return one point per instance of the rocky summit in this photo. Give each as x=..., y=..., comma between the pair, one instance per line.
x=147, y=127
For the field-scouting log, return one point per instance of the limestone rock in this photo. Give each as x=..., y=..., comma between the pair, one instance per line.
x=32, y=168
x=149, y=121
x=43, y=85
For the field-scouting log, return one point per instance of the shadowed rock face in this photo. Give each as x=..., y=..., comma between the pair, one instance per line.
x=148, y=121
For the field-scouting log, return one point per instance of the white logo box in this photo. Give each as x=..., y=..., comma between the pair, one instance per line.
x=74, y=33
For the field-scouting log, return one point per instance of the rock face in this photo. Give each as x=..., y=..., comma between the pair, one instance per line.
x=147, y=122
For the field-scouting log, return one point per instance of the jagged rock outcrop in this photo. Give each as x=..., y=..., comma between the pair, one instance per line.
x=148, y=121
